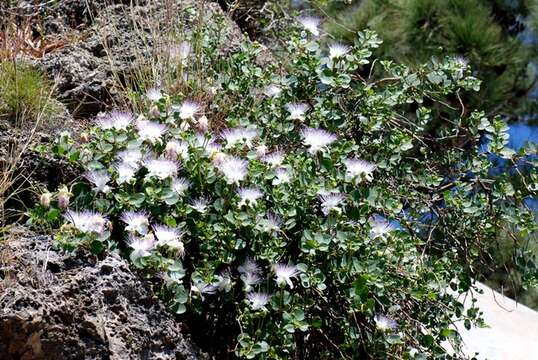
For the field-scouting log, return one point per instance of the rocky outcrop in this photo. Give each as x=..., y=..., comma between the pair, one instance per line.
x=247, y=14
x=107, y=41
x=55, y=306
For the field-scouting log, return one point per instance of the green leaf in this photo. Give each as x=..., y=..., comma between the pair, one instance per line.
x=137, y=199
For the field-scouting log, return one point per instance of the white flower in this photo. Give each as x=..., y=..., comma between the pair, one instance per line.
x=187, y=109
x=126, y=172
x=250, y=273
x=284, y=273
x=171, y=237
x=297, y=110
x=317, y=139
x=154, y=94
x=331, y=201
x=249, y=196
x=180, y=52
x=385, y=323
x=203, y=288
x=177, y=148
x=137, y=222
x=234, y=169
x=311, y=24
x=180, y=185
x=462, y=64
x=283, y=176
x=250, y=279
x=171, y=278
x=258, y=300
x=271, y=223
x=117, y=120
x=249, y=266
x=358, y=168
x=380, y=227
x=161, y=168
x=121, y=120
x=239, y=135
x=274, y=159
x=462, y=61
x=150, y=130
x=142, y=246
x=132, y=157
x=200, y=205
x=208, y=144
x=87, y=221
x=338, y=50
x=100, y=179
x=224, y=281
x=218, y=158
x=104, y=122
x=211, y=148
x=272, y=90
x=201, y=140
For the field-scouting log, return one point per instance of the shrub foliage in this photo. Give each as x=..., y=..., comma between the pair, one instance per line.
x=490, y=34
x=306, y=210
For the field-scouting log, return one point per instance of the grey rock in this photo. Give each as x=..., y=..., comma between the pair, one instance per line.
x=59, y=306
x=113, y=41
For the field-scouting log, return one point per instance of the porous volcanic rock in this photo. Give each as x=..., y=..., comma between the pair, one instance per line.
x=55, y=306
x=106, y=41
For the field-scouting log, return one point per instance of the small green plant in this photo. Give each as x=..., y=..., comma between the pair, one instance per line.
x=25, y=94
x=325, y=216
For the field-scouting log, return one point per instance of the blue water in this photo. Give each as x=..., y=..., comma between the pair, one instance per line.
x=522, y=133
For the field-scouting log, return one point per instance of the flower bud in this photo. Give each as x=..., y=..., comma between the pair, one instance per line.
x=149, y=237
x=63, y=198
x=67, y=227
x=218, y=158
x=155, y=112
x=84, y=137
x=65, y=135
x=86, y=154
x=261, y=151
x=44, y=200
x=172, y=150
x=203, y=123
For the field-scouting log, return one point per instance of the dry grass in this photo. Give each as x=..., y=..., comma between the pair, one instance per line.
x=22, y=34
x=27, y=100
x=155, y=45
x=10, y=171
x=21, y=39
